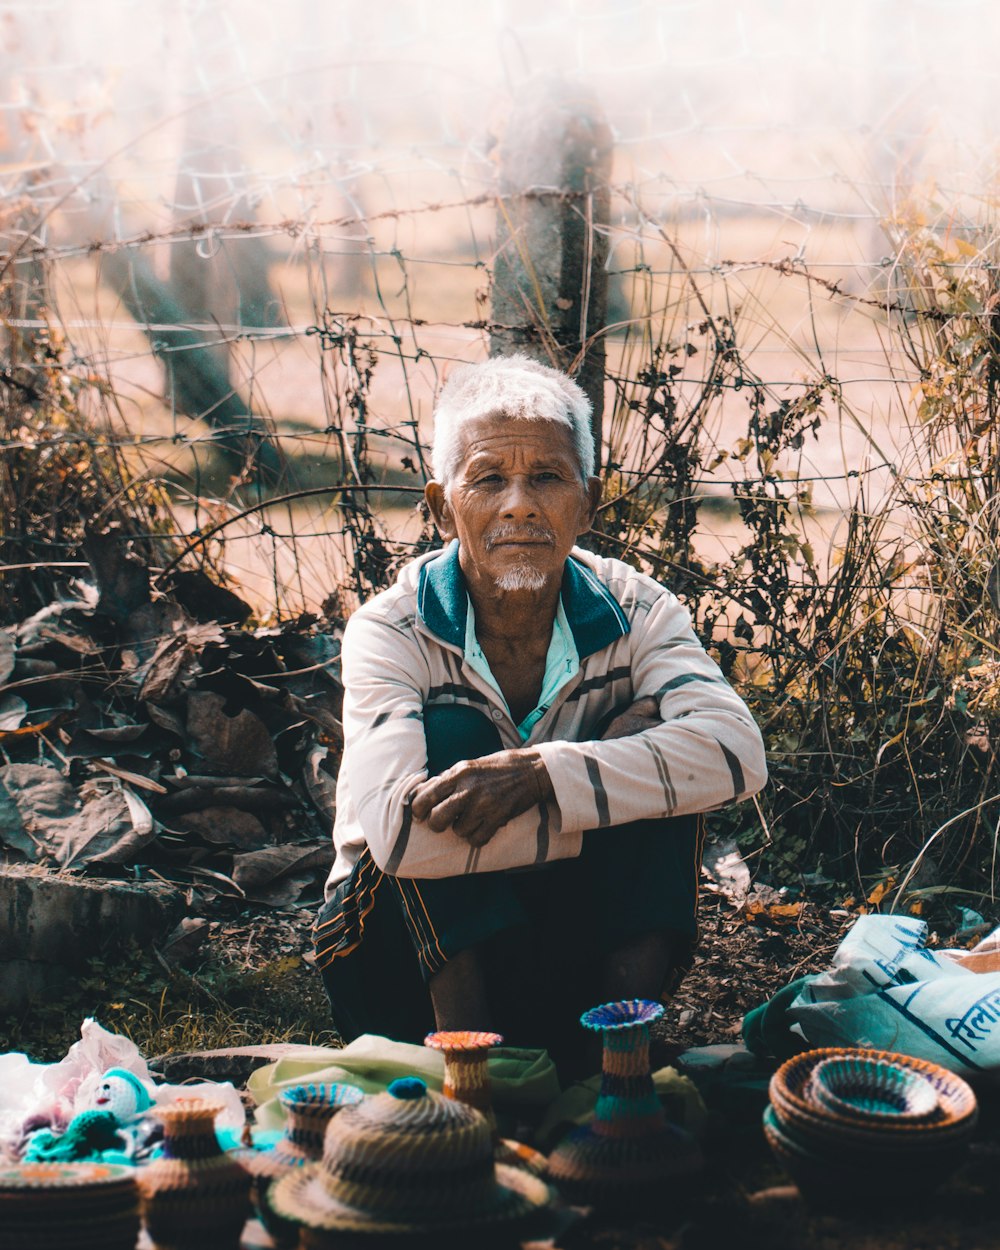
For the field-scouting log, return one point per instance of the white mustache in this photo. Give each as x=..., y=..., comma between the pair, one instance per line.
x=505, y=533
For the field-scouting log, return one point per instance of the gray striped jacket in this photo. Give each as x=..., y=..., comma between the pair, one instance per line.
x=404, y=651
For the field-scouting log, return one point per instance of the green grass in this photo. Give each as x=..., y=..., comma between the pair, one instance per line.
x=218, y=1005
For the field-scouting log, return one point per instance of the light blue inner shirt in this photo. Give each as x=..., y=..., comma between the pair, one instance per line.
x=562, y=661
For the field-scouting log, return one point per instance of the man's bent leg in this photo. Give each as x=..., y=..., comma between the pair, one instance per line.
x=640, y=967
x=471, y=911
x=367, y=934
x=643, y=878
x=369, y=968
x=621, y=919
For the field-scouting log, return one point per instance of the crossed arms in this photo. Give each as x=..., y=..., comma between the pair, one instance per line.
x=686, y=743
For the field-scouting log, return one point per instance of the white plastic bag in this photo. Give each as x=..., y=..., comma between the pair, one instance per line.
x=887, y=990
x=58, y=1091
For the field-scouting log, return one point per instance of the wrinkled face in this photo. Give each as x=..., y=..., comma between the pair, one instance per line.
x=516, y=504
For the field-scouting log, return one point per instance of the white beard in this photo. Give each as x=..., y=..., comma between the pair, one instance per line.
x=521, y=577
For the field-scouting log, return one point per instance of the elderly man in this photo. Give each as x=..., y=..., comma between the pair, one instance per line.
x=531, y=734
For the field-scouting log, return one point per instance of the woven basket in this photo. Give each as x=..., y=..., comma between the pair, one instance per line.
x=68, y=1206
x=194, y=1194
x=408, y=1160
x=906, y=1123
x=791, y=1092
x=873, y=1090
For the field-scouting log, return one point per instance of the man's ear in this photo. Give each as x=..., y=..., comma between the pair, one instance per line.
x=594, y=489
x=440, y=510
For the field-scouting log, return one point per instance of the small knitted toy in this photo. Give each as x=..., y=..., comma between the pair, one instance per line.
x=123, y=1094
x=94, y=1134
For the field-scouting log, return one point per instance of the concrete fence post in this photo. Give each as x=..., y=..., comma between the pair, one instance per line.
x=549, y=278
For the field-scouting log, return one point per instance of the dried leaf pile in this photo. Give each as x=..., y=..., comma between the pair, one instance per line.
x=147, y=732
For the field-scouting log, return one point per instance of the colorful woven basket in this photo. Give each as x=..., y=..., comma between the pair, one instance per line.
x=194, y=1194
x=308, y=1111
x=850, y=1124
x=629, y=1150
x=467, y=1079
x=792, y=1093
x=68, y=1206
x=407, y=1161
x=864, y=1089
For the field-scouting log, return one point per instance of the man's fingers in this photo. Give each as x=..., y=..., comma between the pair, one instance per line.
x=429, y=794
x=444, y=814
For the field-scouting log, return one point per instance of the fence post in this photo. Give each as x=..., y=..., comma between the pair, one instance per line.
x=549, y=278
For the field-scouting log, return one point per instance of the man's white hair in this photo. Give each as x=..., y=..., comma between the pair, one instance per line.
x=508, y=386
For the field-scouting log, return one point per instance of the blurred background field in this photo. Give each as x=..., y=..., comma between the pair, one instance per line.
x=245, y=243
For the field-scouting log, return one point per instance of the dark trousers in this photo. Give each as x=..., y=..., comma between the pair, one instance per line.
x=541, y=933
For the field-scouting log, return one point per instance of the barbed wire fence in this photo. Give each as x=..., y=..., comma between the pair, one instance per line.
x=270, y=237
x=244, y=244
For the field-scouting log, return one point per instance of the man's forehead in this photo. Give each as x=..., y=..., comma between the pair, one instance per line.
x=515, y=436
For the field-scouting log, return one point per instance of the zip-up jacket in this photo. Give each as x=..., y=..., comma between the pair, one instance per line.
x=404, y=650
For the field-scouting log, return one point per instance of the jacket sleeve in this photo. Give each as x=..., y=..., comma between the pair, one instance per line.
x=706, y=752
x=386, y=680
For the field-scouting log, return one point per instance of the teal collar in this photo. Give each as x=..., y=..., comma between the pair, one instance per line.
x=595, y=616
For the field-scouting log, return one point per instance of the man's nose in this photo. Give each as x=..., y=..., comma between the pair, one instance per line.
x=519, y=498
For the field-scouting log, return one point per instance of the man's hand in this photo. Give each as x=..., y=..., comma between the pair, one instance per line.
x=475, y=798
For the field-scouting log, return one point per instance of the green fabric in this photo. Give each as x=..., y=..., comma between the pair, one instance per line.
x=680, y=1098
x=87, y=1136
x=519, y=1077
x=562, y=661
x=595, y=616
x=766, y=1029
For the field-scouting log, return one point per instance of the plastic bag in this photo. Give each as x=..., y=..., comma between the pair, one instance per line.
x=888, y=991
x=51, y=1094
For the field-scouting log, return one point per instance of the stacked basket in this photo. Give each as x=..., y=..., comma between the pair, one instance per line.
x=68, y=1206
x=854, y=1124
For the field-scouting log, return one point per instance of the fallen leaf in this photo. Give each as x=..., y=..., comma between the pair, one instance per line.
x=881, y=890
x=256, y=871
x=285, y=890
x=7, y=655
x=34, y=800
x=321, y=781
x=26, y=731
x=777, y=913
x=122, y=580
x=184, y=940
x=230, y=744
x=104, y=832
x=174, y=662
x=228, y=826
x=195, y=591
x=12, y=711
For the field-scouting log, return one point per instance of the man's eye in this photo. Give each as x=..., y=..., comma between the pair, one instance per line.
x=488, y=479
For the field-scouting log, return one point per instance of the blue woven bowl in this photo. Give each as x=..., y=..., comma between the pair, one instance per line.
x=792, y=1093
x=873, y=1090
